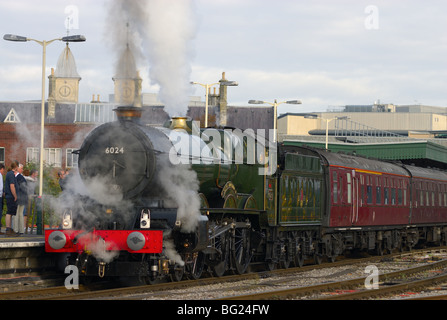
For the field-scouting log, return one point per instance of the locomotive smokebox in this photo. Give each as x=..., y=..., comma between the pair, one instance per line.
x=128, y=113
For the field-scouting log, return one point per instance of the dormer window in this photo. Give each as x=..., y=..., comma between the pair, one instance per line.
x=12, y=117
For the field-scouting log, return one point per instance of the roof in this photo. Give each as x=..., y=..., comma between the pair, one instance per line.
x=349, y=161
x=421, y=153
x=30, y=112
x=418, y=172
x=237, y=117
x=126, y=67
x=66, y=65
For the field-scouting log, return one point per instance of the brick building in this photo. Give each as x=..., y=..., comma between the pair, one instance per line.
x=67, y=121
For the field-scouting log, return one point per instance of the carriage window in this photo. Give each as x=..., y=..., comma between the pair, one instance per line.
x=378, y=195
x=399, y=196
x=393, y=196
x=369, y=197
x=335, y=187
x=362, y=190
x=348, y=178
x=386, y=196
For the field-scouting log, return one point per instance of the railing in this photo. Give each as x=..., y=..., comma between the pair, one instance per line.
x=94, y=113
x=358, y=132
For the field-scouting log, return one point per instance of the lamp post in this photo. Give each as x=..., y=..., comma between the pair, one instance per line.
x=207, y=87
x=16, y=38
x=275, y=105
x=327, y=125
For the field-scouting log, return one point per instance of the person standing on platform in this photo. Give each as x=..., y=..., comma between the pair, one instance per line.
x=22, y=200
x=62, y=182
x=10, y=187
x=32, y=184
x=2, y=172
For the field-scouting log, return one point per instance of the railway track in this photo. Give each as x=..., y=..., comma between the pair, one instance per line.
x=355, y=288
x=99, y=292
x=92, y=292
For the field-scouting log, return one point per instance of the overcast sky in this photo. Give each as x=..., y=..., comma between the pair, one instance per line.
x=325, y=53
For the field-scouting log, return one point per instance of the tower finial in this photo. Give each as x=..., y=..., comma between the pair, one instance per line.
x=127, y=40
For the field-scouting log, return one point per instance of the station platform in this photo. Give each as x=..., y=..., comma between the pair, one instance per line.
x=23, y=241
x=24, y=255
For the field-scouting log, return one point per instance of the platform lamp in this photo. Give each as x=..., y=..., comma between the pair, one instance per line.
x=43, y=43
x=207, y=87
x=275, y=105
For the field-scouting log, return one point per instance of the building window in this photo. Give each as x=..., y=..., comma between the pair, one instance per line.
x=94, y=113
x=52, y=156
x=2, y=155
x=32, y=155
x=72, y=158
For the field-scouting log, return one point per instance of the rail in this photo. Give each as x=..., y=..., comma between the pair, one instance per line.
x=40, y=215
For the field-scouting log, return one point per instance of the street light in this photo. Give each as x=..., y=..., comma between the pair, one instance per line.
x=16, y=38
x=327, y=125
x=207, y=87
x=275, y=105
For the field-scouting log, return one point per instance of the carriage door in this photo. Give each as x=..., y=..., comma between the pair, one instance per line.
x=270, y=200
x=352, y=185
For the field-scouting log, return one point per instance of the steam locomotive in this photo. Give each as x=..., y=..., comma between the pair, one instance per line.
x=176, y=201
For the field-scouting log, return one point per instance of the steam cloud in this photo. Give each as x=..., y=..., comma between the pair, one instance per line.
x=160, y=31
x=86, y=215
x=181, y=188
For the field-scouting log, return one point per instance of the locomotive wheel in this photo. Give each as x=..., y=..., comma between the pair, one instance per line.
x=241, y=251
x=177, y=273
x=219, y=264
x=195, y=269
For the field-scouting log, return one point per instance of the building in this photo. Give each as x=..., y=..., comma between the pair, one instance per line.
x=68, y=121
x=410, y=134
x=408, y=120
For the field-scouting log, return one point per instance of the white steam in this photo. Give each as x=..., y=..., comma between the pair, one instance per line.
x=181, y=188
x=86, y=213
x=160, y=31
x=170, y=30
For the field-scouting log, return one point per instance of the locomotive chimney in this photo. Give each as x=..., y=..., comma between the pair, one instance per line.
x=128, y=113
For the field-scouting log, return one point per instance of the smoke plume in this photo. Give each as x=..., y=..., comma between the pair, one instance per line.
x=171, y=29
x=160, y=33
x=181, y=187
